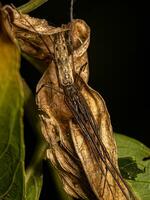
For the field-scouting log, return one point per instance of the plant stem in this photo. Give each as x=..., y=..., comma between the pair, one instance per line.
x=31, y=5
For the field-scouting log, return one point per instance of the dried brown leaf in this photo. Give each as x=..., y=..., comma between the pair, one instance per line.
x=34, y=35
x=70, y=151
x=55, y=117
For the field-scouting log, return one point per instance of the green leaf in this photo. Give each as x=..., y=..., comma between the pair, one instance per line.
x=134, y=162
x=31, y=5
x=11, y=125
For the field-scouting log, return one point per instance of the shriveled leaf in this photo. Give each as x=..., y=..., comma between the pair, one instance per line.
x=36, y=39
x=76, y=124
x=32, y=33
x=11, y=125
x=134, y=161
x=80, y=165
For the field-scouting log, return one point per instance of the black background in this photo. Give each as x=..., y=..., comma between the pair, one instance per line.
x=118, y=57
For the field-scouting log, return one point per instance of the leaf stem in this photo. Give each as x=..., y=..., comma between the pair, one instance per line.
x=31, y=5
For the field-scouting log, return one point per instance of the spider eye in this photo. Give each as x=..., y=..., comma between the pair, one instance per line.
x=58, y=61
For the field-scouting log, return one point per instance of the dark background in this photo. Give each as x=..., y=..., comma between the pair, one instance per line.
x=118, y=55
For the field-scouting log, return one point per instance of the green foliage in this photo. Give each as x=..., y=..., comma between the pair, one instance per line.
x=15, y=184
x=134, y=159
x=11, y=123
